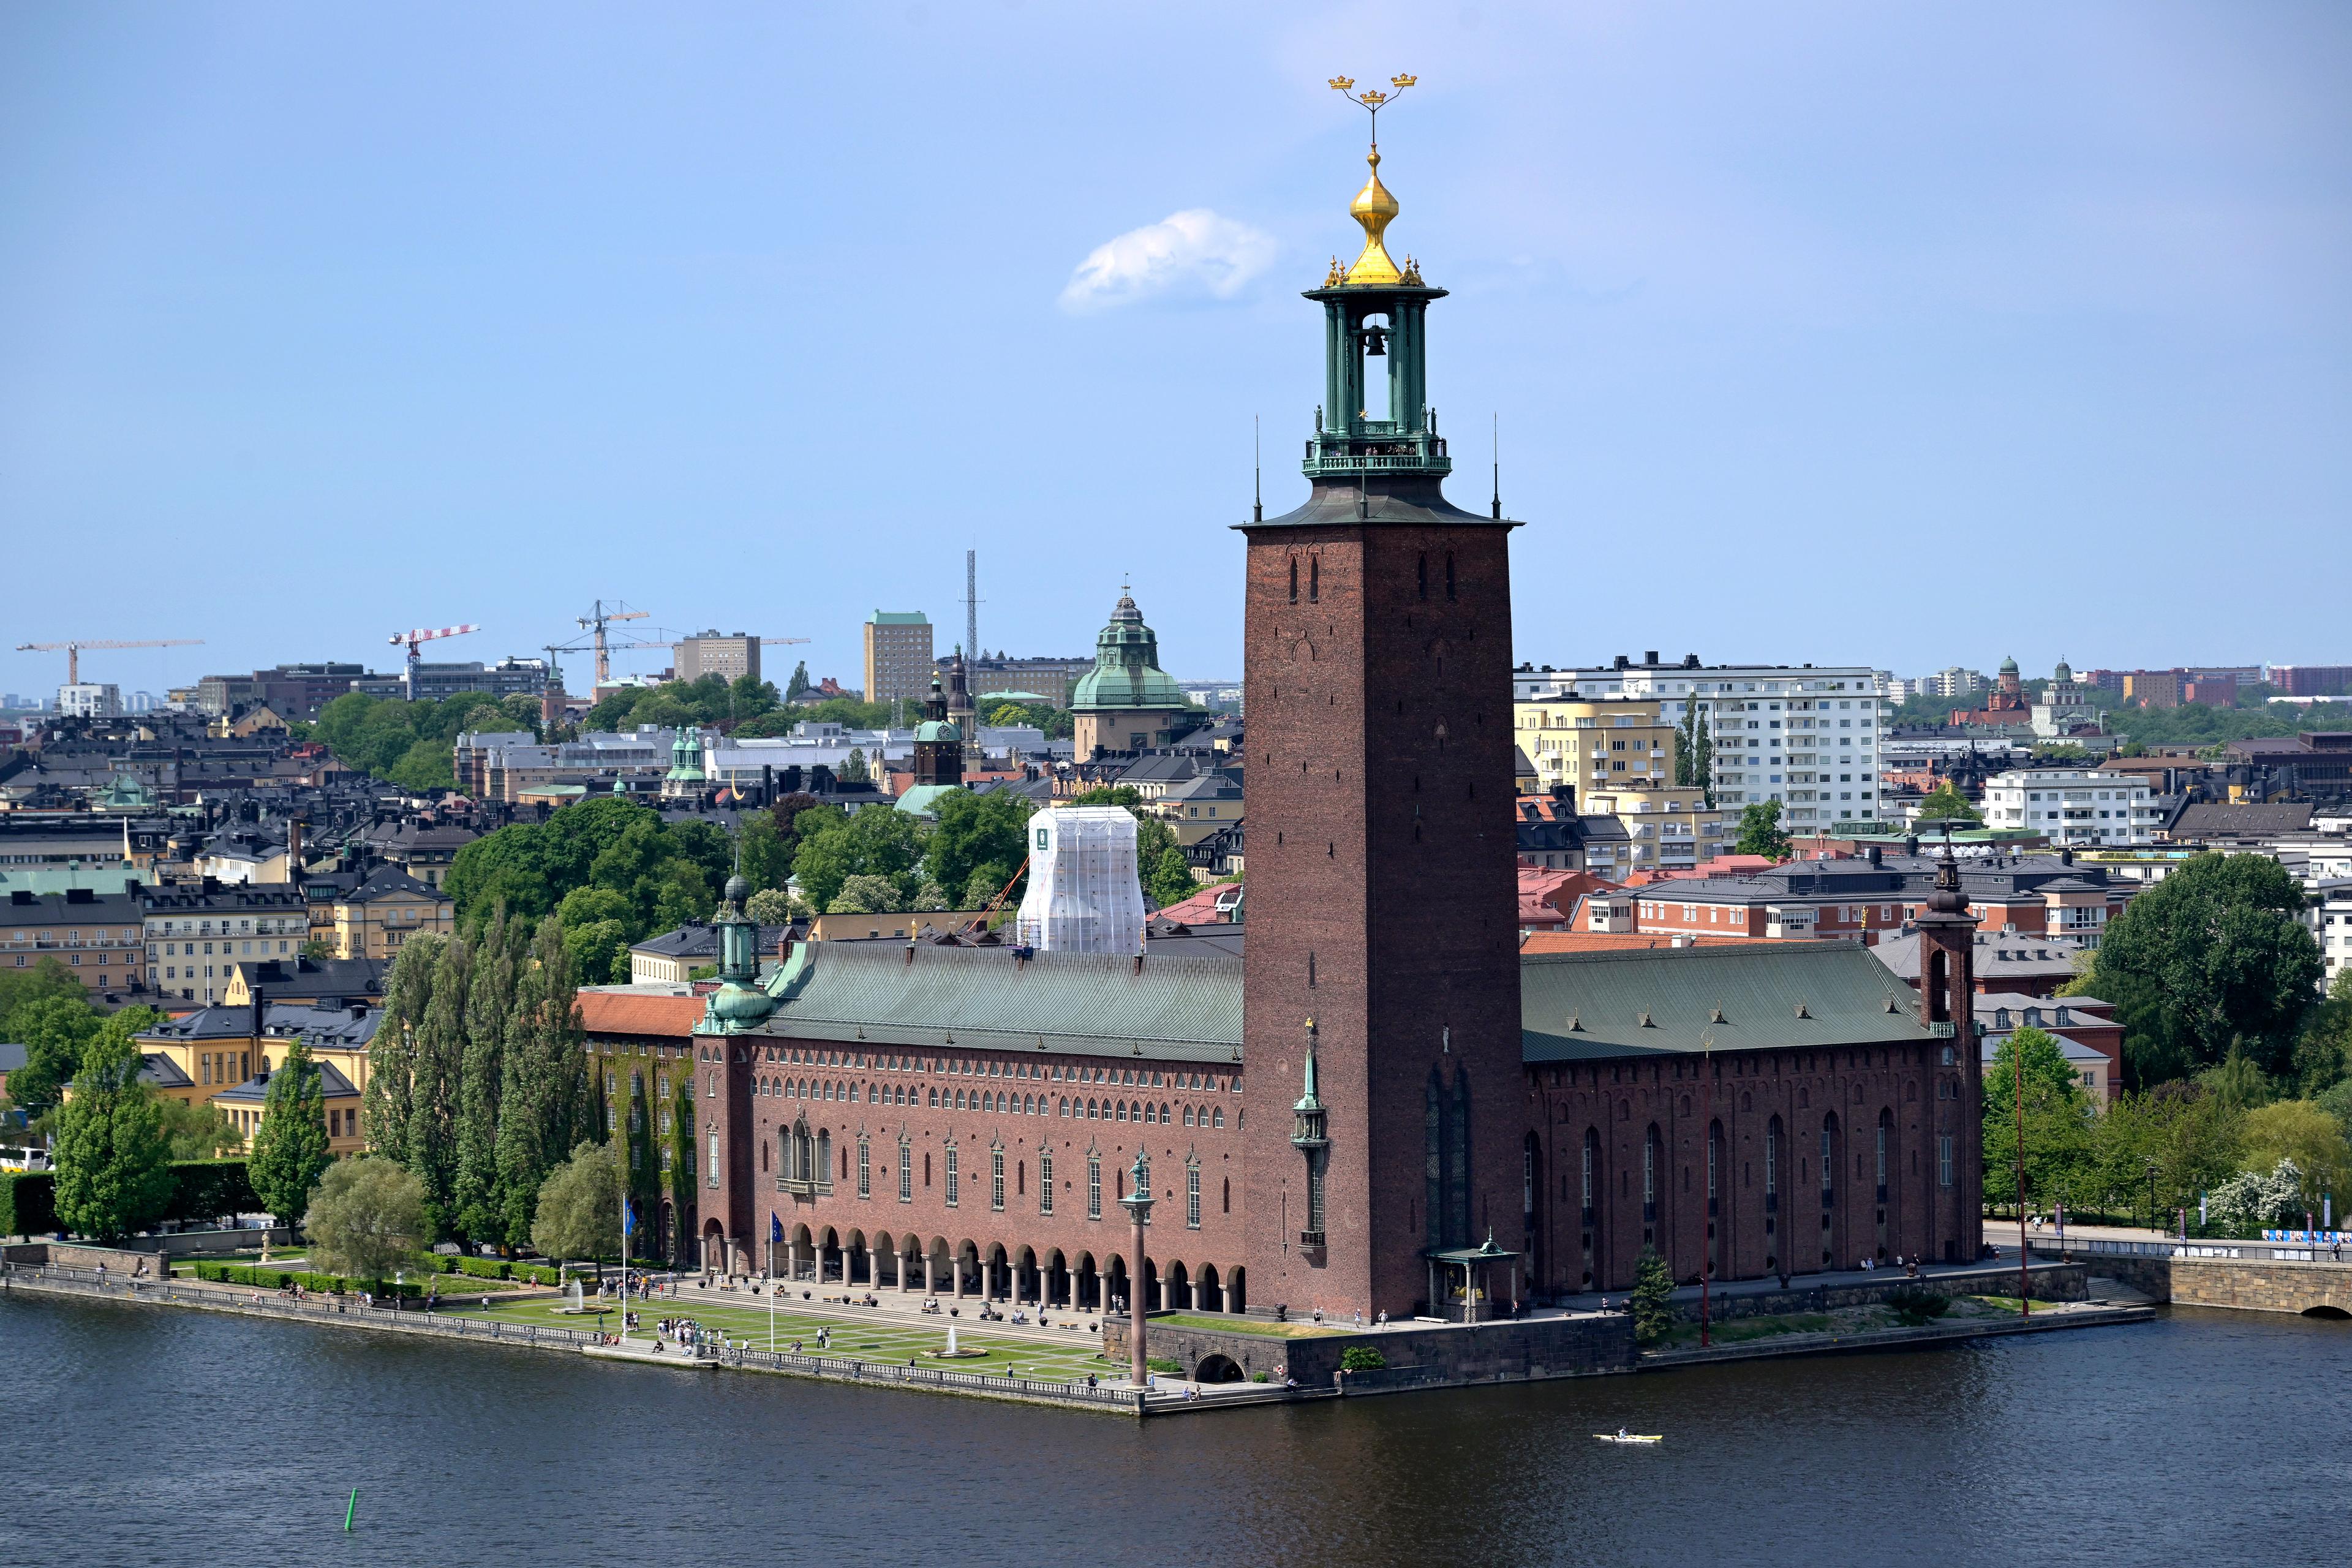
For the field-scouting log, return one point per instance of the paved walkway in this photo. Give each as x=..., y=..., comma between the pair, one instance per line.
x=1593, y=1301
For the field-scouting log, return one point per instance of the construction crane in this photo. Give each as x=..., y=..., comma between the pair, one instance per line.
x=600, y=617
x=413, y=639
x=73, y=646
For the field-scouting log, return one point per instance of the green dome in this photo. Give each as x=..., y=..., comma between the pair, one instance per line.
x=1127, y=673
x=2009, y=666
x=735, y=1004
x=937, y=729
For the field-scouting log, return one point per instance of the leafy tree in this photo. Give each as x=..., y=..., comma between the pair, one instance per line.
x=1653, y=1286
x=55, y=1030
x=769, y=907
x=875, y=840
x=290, y=1149
x=1945, y=802
x=864, y=895
x=368, y=1218
x=198, y=1132
x=2058, y=1146
x=579, y=1212
x=767, y=860
x=2192, y=1139
x=545, y=1068
x=2300, y=1132
x=661, y=874
x=853, y=767
x=1695, y=754
x=436, y=1074
x=1171, y=878
x=2251, y=1200
x=114, y=1174
x=2214, y=956
x=386, y=1104
x=475, y=1193
x=750, y=697
x=977, y=837
x=600, y=952
x=786, y=816
x=2323, y=1057
x=588, y=906
x=1761, y=832
x=798, y=683
x=2237, y=1083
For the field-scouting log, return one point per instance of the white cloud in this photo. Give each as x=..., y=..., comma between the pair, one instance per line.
x=1196, y=249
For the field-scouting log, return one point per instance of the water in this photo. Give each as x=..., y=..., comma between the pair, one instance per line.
x=135, y=1435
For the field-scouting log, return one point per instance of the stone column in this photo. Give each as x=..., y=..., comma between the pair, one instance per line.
x=931, y=1275
x=873, y=1268
x=792, y=1258
x=955, y=1267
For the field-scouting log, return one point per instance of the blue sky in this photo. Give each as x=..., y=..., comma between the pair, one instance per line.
x=1830, y=332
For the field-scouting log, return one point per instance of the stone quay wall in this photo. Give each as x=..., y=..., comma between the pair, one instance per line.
x=1418, y=1356
x=2049, y=1281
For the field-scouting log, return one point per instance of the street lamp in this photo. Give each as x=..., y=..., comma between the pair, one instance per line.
x=1138, y=1203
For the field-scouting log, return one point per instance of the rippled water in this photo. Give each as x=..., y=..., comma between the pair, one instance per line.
x=134, y=1435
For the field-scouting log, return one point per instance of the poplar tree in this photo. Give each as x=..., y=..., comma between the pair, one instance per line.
x=113, y=1171
x=391, y=1053
x=541, y=1110
x=478, y=1193
x=436, y=1074
x=289, y=1150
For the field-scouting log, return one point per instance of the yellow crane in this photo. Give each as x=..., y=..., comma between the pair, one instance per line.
x=73, y=646
x=600, y=617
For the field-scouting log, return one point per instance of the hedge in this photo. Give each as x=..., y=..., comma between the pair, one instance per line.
x=492, y=1269
x=28, y=1203
x=283, y=1279
x=207, y=1189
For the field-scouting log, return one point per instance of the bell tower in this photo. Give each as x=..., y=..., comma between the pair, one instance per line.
x=1381, y=969
x=1948, y=1007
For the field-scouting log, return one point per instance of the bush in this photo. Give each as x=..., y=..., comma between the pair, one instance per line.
x=1914, y=1306
x=484, y=1268
x=207, y=1189
x=1168, y=1366
x=267, y=1279
x=1651, y=1286
x=28, y=1203
x=531, y=1273
x=1362, y=1358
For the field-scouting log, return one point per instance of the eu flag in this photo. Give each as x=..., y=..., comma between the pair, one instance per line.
x=775, y=1228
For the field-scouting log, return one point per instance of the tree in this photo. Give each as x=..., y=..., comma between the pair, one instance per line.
x=977, y=837
x=436, y=1079
x=1945, y=802
x=798, y=683
x=2058, y=1149
x=748, y=697
x=1695, y=753
x=541, y=1110
x=2300, y=1132
x=2214, y=956
x=391, y=1053
x=478, y=1206
x=290, y=1149
x=875, y=840
x=2251, y=1200
x=578, y=1212
x=600, y=953
x=54, y=1030
x=1171, y=878
x=865, y=895
x=767, y=861
x=853, y=767
x=2193, y=1141
x=1652, y=1287
x=1761, y=832
x=198, y=1132
x=114, y=1174
x=768, y=907
x=592, y=906
x=368, y=1218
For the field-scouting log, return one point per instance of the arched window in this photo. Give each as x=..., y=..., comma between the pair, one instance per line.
x=1420, y=574
x=1650, y=1176
x=1590, y=1175
x=1772, y=1167
x=1187, y=1116
x=1217, y=1116
x=1315, y=579
x=1449, y=575
x=1885, y=1125
x=1293, y=579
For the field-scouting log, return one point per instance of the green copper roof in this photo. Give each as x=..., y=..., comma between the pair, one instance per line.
x=1643, y=1000
x=1127, y=673
x=923, y=800
x=897, y=619
x=887, y=994
x=937, y=729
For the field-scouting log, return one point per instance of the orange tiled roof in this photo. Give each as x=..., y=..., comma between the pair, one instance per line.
x=1614, y=941
x=614, y=1013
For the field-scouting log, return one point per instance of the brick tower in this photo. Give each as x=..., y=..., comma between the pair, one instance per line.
x=1382, y=913
x=1947, y=1005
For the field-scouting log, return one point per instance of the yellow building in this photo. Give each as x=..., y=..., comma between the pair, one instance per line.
x=1666, y=829
x=385, y=910
x=223, y=1055
x=1594, y=743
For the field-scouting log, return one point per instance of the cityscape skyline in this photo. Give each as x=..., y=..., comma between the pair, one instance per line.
x=606, y=289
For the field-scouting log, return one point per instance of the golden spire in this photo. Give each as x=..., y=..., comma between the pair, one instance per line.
x=1373, y=207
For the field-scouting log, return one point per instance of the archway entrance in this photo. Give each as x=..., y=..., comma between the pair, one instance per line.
x=714, y=1248
x=1216, y=1369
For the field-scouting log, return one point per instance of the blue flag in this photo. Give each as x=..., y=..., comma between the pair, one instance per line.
x=775, y=1228
x=628, y=1219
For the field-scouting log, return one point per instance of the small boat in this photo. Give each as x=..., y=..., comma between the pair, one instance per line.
x=1629, y=1437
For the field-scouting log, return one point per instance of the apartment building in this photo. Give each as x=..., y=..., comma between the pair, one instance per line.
x=196, y=937
x=2071, y=805
x=1594, y=743
x=897, y=656
x=729, y=655
x=1806, y=736
x=94, y=934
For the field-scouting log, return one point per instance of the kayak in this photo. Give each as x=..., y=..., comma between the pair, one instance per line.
x=1628, y=1438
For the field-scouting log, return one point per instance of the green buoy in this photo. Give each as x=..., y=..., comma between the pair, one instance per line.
x=350, y=1509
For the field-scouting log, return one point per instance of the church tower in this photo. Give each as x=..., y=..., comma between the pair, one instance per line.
x=1382, y=906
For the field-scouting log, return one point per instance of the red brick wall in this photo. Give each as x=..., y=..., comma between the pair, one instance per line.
x=1402, y=900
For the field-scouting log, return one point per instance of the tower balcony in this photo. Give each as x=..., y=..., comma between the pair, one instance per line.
x=1376, y=447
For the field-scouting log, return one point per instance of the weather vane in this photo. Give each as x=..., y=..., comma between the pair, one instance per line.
x=1371, y=99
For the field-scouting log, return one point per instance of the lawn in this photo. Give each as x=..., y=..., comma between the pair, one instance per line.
x=874, y=1338
x=1242, y=1326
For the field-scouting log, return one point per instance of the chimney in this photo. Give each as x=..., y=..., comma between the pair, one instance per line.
x=1690, y=661
x=1650, y=658
x=1876, y=857
x=294, y=851
x=1622, y=661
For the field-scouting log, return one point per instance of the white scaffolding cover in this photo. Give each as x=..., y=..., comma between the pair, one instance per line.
x=1085, y=894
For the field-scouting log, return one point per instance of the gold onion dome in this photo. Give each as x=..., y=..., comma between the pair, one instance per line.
x=1375, y=208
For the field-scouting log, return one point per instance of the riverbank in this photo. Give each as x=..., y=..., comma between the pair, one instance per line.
x=1454, y=1356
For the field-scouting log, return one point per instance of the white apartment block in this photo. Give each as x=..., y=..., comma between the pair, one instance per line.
x=2332, y=922
x=2071, y=805
x=1808, y=737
